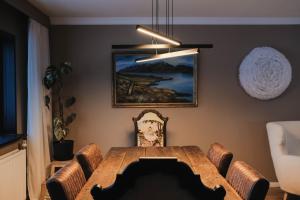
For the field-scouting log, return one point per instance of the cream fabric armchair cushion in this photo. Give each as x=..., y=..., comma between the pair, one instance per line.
x=284, y=140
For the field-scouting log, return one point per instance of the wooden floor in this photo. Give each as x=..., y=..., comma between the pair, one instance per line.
x=274, y=194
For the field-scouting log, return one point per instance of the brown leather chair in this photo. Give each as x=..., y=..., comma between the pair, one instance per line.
x=66, y=183
x=89, y=157
x=247, y=182
x=220, y=157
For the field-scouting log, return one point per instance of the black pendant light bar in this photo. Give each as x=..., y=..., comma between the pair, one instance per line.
x=161, y=46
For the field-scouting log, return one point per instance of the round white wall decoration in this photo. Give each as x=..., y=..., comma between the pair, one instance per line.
x=265, y=73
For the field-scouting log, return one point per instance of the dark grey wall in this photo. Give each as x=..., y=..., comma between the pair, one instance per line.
x=25, y=7
x=15, y=23
x=225, y=114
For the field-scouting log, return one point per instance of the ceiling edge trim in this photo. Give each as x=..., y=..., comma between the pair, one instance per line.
x=177, y=20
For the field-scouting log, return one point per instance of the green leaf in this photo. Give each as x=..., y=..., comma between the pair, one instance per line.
x=70, y=101
x=65, y=68
x=50, y=77
x=48, y=82
x=59, y=133
x=58, y=129
x=70, y=118
x=50, y=69
x=57, y=122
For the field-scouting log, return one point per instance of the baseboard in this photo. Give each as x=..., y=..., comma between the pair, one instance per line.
x=274, y=184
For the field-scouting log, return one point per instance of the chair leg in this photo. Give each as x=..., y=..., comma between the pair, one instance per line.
x=288, y=196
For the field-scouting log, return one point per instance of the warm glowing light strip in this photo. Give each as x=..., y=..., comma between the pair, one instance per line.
x=157, y=35
x=169, y=55
x=155, y=46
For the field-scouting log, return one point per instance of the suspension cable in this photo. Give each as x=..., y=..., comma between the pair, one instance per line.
x=172, y=2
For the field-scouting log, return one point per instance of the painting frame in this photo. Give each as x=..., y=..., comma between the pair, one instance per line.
x=115, y=104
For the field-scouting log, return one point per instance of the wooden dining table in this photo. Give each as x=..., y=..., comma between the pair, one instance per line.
x=118, y=158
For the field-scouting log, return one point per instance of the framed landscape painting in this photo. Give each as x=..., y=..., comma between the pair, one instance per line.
x=170, y=82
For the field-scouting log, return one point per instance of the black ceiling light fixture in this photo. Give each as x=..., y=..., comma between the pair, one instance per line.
x=163, y=42
x=168, y=37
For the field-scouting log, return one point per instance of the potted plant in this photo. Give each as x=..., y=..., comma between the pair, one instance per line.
x=53, y=80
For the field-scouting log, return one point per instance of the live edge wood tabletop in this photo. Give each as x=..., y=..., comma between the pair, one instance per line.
x=118, y=158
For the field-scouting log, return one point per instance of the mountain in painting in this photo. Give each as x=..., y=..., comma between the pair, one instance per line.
x=158, y=67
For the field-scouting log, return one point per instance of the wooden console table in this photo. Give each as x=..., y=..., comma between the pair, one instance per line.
x=118, y=158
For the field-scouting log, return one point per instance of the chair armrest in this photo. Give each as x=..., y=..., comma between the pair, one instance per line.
x=276, y=140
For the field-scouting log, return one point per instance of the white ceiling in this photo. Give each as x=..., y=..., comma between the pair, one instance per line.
x=192, y=9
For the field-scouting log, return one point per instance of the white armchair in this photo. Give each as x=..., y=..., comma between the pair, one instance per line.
x=284, y=140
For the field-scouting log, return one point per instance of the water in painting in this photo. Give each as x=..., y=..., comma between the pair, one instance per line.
x=157, y=82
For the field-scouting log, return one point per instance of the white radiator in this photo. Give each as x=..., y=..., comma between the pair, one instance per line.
x=13, y=175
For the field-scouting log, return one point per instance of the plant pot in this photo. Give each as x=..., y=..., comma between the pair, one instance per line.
x=63, y=150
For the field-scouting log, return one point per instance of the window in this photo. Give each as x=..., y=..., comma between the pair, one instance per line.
x=7, y=83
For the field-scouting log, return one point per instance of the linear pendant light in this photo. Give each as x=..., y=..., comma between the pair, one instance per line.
x=157, y=35
x=169, y=55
